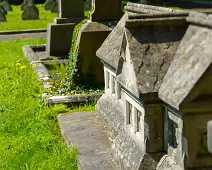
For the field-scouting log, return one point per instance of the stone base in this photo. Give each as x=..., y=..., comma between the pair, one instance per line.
x=59, y=39
x=30, y=13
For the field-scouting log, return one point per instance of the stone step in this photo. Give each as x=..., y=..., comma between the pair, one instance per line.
x=85, y=131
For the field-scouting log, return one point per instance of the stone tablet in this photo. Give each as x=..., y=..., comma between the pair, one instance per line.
x=6, y=5
x=107, y=10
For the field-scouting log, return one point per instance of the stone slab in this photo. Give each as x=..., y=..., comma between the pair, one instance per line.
x=87, y=133
x=59, y=38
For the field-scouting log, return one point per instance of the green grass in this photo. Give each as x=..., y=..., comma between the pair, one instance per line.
x=29, y=133
x=15, y=22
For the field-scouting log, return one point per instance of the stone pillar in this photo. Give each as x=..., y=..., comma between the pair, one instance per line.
x=54, y=6
x=107, y=10
x=48, y=5
x=3, y=14
x=154, y=128
x=6, y=5
x=31, y=12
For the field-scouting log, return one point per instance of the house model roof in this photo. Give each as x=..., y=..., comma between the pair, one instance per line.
x=191, y=61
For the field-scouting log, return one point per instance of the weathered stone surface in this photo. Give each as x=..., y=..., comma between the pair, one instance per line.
x=2, y=14
x=59, y=38
x=6, y=5
x=187, y=66
x=142, y=8
x=48, y=5
x=90, y=38
x=71, y=100
x=126, y=151
x=107, y=10
x=209, y=130
x=54, y=7
x=85, y=131
x=71, y=8
x=30, y=13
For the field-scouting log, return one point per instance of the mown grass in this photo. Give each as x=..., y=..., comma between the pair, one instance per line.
x=29, y=133
x=15, y=22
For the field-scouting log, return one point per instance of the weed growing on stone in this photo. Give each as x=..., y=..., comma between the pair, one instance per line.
x=29, y=134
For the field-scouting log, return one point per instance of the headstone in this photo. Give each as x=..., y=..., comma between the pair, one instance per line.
x=59, y=38
x=107, y=10
x=2, y=14
x=54, y=6
x=6, y=5
x=88, y=5
x=31, y=12
x=48, y=5
x=23, y=5
x=71, y=8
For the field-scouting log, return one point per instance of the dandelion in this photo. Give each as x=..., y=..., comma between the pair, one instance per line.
x=19, y=61
x=38, y=61
x=22, y=67
x=18, y=64
x=38, y=75
x=33, y=64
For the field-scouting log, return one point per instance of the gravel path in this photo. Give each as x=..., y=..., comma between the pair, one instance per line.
x=22, y=36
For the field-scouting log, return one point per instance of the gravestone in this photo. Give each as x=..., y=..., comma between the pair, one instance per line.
x=31, y=12
x=2, y=14
x=48, y=5
x=54, y=7
x=23, y=5
x=107, y=10
x=6, y=5
x=71, y=8
x=88, y=5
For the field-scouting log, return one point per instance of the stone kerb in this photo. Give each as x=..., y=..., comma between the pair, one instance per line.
x=145, y=9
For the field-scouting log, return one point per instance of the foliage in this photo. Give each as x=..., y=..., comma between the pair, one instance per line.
x=29, y=134
x=15, y=22
x=74, y=55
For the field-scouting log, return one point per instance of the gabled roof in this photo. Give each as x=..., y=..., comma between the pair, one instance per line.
x=111, y=47
x=152, y=45
x=191, y=61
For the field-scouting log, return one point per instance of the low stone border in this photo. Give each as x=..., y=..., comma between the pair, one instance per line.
x=23, y=31
x=72, y=100
x=41, y=68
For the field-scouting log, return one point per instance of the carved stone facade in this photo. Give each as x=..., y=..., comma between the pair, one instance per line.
x=157, y=70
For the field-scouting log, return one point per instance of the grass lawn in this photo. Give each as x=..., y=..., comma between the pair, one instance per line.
x=15, y=22
x=29, y=134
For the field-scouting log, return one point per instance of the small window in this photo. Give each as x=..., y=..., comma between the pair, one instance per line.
x=129, y=113
x=139, y=119
x=107, y=80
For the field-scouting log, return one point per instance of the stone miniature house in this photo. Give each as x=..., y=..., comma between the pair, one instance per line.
x=187, y=92
x=157, y=122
